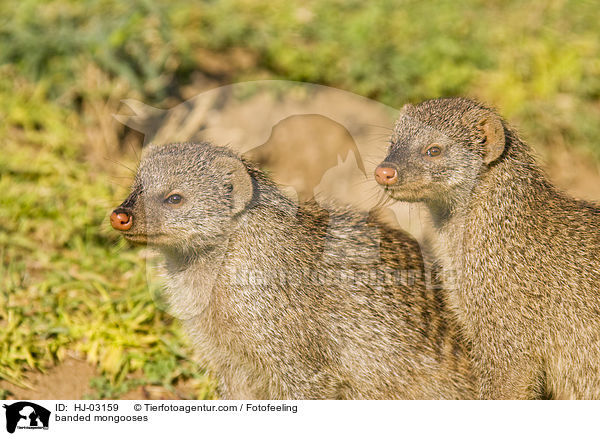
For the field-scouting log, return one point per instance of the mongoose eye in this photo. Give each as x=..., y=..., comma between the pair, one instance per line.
x=173, y=199
x=433, y=151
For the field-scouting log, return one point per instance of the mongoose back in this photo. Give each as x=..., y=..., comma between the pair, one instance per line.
x=522, y=260
x=274, y=314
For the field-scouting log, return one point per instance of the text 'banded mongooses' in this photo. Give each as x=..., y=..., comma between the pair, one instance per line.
x=522, y=260
x=281, y=305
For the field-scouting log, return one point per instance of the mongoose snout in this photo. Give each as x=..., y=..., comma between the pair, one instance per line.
x=121, y=219
x=386, y=175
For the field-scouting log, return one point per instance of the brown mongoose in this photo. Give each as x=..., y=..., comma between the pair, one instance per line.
x=522, y=260
x=274, y=315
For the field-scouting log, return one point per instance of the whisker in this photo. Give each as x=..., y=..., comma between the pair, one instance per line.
x=377, y=135
x=372, y=162
x=378, y=126
x=119, y=163
x=137, y=156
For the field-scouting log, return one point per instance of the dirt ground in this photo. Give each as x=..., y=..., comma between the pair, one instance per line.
x=318, y=143
x=70, y=380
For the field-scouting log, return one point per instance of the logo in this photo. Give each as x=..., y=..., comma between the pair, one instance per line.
x=26, y=415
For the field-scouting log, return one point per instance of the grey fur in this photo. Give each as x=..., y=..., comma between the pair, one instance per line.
x=523, y=259
x=241, y=261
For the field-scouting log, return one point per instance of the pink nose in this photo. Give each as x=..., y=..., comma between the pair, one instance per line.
x=121, y=221
x=385, y=175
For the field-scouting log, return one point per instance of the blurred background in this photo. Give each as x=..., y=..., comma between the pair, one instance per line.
x=77, y=319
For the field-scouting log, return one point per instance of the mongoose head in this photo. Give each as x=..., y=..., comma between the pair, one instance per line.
x=183, y=196
x=438, y=147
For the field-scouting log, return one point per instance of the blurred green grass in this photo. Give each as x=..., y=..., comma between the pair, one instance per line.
x=65, y=281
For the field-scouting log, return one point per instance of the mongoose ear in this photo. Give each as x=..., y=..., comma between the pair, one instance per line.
x=238, y=177
x=491, y=136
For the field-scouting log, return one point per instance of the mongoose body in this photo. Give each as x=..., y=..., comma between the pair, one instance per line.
x=522, y=260
x=273, y=313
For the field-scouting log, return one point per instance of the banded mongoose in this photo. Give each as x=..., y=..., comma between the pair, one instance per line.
x=522, y=259
x=275, y=316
